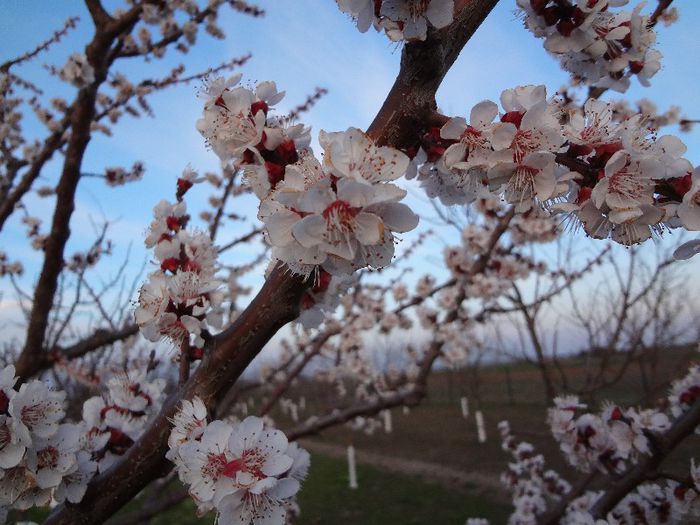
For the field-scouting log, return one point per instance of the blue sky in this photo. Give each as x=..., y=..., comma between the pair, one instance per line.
x=299, y=44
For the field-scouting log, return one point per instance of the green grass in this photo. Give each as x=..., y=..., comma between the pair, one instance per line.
x=384, y=499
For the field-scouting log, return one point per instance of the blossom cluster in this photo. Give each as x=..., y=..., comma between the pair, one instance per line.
x=77, y=71
x=532, y=487
x=166, y=18
x=8, y=267
x=113, y=422
x=37, y=451
x=617, y=178
x=340, y=215
x=607, y=441
x=597, y=45
x=43, y=459
x=504, y=265
x=400, y=19
x=246, y=471
x=182, y=298
x=610, y=442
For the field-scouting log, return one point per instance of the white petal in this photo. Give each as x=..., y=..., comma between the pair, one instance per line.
x=309, y=231
x=369, y=228
x=453, y=128
x=398, y=217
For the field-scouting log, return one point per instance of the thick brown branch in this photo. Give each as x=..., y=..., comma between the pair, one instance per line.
x=411, y=101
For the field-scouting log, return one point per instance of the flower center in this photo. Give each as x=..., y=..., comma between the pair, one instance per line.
x=340, y=215
x=47, y=458
x=215, y=466
x=250, y=462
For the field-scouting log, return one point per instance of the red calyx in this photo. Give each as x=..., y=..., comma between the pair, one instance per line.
x=514, y=117
x=170, y=264
x=4, y=402
x=579, y=150
x=260, y=105
x=551, y=15
x=288, y=152
x=248, y=157
x=538, y=5
x=579, y=17
x=627, y=41
x=182, y=186
x=306, y=302
x=322, y=282
x=679, y=492
x=196, y=354
x=681, y=185
x=604, y=152
x=636, y=67
x=118, y=441
x=173, y=223
x=687, y=398
x=616, y=414
x=433, y=134
x=275, y=173
x=435, y=152
x=566, y=27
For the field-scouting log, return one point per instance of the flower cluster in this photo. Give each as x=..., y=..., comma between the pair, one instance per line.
x=113, y=422
x=8, y=267
x=118, y=176
x=400, y=19
x=37, y=451
x=182, y=297
x=341, y=215
x=515, y=154
x=612, y=442
x=606, y=441
x=504, y=265
x=77, y=71
x=601, y=47
x=685, y=393
x=247, y=472
x=236, y=125
x=617, y=177
x=532, y=486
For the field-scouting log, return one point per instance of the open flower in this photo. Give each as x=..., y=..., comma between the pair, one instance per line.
x=343, y=215
x=246, y=471
x=35, y=411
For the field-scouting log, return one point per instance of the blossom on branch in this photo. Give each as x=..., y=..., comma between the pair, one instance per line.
x=245, y=471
